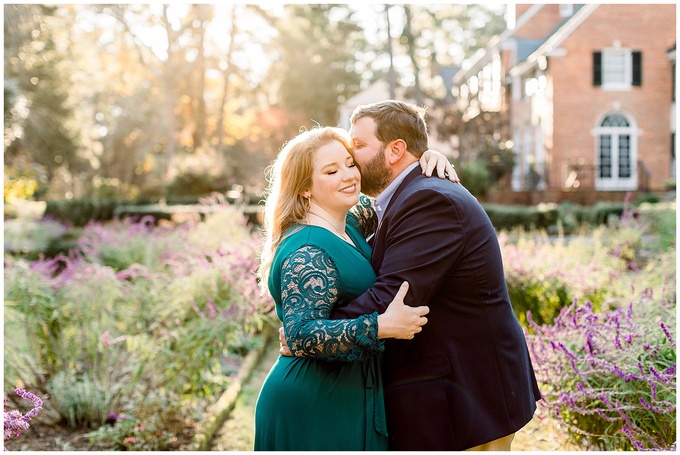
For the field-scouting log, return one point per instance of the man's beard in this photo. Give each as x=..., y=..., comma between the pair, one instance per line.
x=375, y=176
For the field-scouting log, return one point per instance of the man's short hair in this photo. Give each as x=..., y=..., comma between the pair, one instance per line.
x=397, y=120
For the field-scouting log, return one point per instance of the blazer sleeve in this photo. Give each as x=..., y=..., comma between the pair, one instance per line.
x=424, y=241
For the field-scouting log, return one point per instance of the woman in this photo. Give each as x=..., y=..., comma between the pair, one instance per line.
x=316, y=257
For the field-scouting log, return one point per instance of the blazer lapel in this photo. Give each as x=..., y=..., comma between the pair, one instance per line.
x=378, y=240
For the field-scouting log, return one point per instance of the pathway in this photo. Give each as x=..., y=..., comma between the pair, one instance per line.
x=236, y=433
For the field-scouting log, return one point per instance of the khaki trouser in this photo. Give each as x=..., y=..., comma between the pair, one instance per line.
x=500, y=444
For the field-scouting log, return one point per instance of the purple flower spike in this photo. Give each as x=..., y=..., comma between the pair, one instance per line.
x=667, y=333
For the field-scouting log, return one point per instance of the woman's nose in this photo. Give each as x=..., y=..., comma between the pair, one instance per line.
x=348, y=174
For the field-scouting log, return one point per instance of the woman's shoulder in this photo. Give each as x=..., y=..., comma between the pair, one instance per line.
x=301, y=235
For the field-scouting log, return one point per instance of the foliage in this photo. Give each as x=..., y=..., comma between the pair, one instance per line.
x=507, y=217
x=105, y=100
x=30, y=237
x=609, y=378
x=37, y=142
x=475, y=177
x=599, y=264
x=498, y=159
x=79, y=212
x=544, y=276
x=14, y=421
x=317, y=64
x=135, y=322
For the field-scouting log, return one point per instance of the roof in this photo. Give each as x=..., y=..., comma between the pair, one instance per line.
x=561, y=32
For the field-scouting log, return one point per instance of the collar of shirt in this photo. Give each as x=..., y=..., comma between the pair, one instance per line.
x=383, y=199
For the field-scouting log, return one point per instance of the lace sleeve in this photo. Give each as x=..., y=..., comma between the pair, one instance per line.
x=309, y=291
x=364, y=217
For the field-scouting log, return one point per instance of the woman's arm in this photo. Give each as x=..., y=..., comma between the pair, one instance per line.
x=310, y=285
x=431, y=160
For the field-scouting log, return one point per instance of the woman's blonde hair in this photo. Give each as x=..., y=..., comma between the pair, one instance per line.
x=291, y=175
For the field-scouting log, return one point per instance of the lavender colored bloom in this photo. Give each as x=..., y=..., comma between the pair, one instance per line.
x=667, y=333
x=14, y=421
x=650, y=407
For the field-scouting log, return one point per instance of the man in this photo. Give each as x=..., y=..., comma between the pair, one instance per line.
x=466, y=381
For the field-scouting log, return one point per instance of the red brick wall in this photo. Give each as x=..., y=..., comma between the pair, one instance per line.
x=578, y=104
x=540, y=24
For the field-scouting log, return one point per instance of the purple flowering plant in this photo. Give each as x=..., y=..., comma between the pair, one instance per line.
x=14, y=420
x=136, y=307
x=609, y=378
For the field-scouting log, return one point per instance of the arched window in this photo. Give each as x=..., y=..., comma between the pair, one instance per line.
x=616, y=154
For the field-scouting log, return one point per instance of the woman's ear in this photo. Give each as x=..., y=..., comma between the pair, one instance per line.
x=306, y=194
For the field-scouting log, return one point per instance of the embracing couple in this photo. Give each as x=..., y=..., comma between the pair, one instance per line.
x=398, y=333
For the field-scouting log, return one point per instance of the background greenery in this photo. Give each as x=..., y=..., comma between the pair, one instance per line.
x=146, y=101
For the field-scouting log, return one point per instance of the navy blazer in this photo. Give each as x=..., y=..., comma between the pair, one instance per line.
x=467, y=378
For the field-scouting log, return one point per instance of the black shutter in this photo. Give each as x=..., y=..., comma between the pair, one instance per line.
x=637, y=68
x=597, y=68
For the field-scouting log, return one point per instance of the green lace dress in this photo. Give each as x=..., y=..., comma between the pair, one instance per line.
x=333, y=401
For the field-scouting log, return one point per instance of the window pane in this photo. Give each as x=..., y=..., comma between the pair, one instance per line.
x=614, y=66
x=615, y=120
x=605, y=156
x=625, y=166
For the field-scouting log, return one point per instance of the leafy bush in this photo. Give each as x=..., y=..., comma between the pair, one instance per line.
x=544, y=275
x=507, y=217
x=601, y=264
x=137, y=316
x=610, y=378
x=29, y=237
x=79, y=212
x=475, y=176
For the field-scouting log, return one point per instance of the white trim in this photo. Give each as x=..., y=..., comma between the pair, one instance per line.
x=556, y=39
x=615, y=183
x=496, y=43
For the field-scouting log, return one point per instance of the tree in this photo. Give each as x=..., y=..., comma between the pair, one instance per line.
x=37, y=110
x=316, y=69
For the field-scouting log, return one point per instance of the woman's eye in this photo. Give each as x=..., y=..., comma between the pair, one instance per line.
x=331, y=172
x=352, y=164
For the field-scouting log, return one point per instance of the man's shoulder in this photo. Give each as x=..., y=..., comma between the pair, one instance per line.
x=433, y=186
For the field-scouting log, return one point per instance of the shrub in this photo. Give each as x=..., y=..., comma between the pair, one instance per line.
x=475, y=176
x=29, y=237
x=137, y=317
x=610, y=378
x=507, y=217
x=79, y=212
x=545, y=275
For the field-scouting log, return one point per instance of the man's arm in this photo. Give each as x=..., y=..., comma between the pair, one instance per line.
x=424, y=241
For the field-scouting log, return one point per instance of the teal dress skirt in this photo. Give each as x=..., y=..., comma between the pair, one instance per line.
x=329, y=395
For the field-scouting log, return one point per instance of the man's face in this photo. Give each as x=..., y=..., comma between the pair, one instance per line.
x=370, y=154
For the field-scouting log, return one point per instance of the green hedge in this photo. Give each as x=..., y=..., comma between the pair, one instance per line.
x=78, y=212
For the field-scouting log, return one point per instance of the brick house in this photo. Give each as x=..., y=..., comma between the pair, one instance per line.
x=586, y=94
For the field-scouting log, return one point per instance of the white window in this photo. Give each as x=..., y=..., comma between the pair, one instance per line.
x=616, y=154
x=616, y=68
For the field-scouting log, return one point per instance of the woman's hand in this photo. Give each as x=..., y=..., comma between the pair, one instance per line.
x=431, y=160
x=400, y=320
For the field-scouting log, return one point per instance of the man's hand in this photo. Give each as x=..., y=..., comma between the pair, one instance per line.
x=283, y=349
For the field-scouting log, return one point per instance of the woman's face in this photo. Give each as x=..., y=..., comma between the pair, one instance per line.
x=336, y=181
